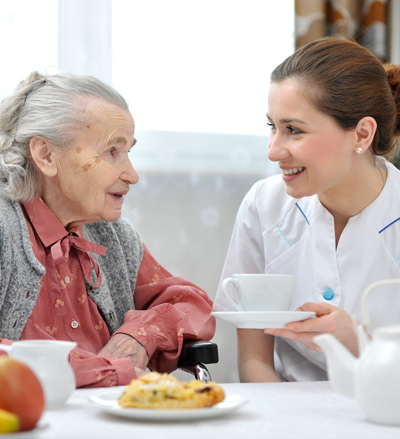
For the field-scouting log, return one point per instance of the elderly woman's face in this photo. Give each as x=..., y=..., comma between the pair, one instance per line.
x=95, y=173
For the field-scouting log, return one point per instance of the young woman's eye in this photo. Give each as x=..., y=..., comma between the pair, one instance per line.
x=293, y=130
x=271, y=125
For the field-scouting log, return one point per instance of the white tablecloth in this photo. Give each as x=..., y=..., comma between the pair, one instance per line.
x=273, y=410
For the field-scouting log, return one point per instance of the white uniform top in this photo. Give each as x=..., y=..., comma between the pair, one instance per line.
x=275, y=233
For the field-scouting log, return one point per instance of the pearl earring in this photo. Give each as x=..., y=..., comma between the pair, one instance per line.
x=359, y=150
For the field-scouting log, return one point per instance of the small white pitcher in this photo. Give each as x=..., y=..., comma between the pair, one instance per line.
x=48, y=359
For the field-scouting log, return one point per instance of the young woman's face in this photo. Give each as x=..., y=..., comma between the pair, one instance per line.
x=313, y=152
x=95, y=173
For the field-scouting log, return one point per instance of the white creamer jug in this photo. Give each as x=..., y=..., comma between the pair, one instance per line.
x=48, y=359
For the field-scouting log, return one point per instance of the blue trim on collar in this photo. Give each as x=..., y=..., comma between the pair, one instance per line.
x=302, y=213
x=283, y=236
x=380, y=231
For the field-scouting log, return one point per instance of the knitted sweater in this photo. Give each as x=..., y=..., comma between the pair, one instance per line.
x=21, y=272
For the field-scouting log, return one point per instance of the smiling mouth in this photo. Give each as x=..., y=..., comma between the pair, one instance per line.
x=293, y=171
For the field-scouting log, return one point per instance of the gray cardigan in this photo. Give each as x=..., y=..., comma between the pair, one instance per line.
x=20, y=271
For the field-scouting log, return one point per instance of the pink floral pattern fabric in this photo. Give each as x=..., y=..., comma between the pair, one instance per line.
x=167, y=308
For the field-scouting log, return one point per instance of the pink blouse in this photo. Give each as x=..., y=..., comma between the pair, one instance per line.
x=167, y=308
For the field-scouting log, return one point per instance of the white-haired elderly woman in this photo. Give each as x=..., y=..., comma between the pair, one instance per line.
x=70, y=267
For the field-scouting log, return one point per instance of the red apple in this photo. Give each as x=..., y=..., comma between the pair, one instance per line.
x=21, y=392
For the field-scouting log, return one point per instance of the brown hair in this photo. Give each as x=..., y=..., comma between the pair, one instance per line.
x=347, y=82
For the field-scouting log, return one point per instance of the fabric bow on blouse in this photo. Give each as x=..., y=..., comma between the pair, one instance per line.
x=60, y=253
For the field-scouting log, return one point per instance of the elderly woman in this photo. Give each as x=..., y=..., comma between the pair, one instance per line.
x=70, y=267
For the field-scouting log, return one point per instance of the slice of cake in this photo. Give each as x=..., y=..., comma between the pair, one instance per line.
x=162, y=391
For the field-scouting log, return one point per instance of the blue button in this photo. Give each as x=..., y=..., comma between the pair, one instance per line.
x=328, y=294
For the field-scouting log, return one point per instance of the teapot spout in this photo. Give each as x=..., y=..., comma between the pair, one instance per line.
x=341, y=364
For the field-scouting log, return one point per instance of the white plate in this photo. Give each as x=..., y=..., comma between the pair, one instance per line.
x=108, y=401
x=262, y=319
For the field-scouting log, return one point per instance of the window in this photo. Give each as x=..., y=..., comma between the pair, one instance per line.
x=199, y=66
x=195, y=72
x=29, y=40
x=196, y=75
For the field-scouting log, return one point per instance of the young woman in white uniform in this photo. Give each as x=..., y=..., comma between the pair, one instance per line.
x=332, y=217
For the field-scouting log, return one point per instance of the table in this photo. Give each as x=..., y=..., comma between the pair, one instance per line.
x=274, y=410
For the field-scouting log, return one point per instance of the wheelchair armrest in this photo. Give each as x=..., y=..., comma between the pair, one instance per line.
x=194, y=356
x=195, y=352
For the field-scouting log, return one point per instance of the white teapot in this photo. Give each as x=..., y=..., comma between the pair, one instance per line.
x=374, y=377
x=49, y=361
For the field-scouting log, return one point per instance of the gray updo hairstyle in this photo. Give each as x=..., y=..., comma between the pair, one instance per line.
x=47, y=106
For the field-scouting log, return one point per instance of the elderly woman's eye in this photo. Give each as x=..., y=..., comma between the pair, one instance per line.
x=112, y=152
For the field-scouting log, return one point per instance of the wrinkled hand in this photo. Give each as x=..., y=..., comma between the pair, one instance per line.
x=329, y=319
x=125, y=346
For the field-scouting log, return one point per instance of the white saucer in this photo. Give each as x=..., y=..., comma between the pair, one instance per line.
x=262, y=319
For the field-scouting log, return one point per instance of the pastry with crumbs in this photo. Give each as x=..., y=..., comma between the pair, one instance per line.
x=162, y=391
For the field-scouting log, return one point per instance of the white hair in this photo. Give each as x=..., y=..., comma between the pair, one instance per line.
x=47, y=106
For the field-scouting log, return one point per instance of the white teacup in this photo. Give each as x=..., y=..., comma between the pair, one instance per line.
x=260, y=292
